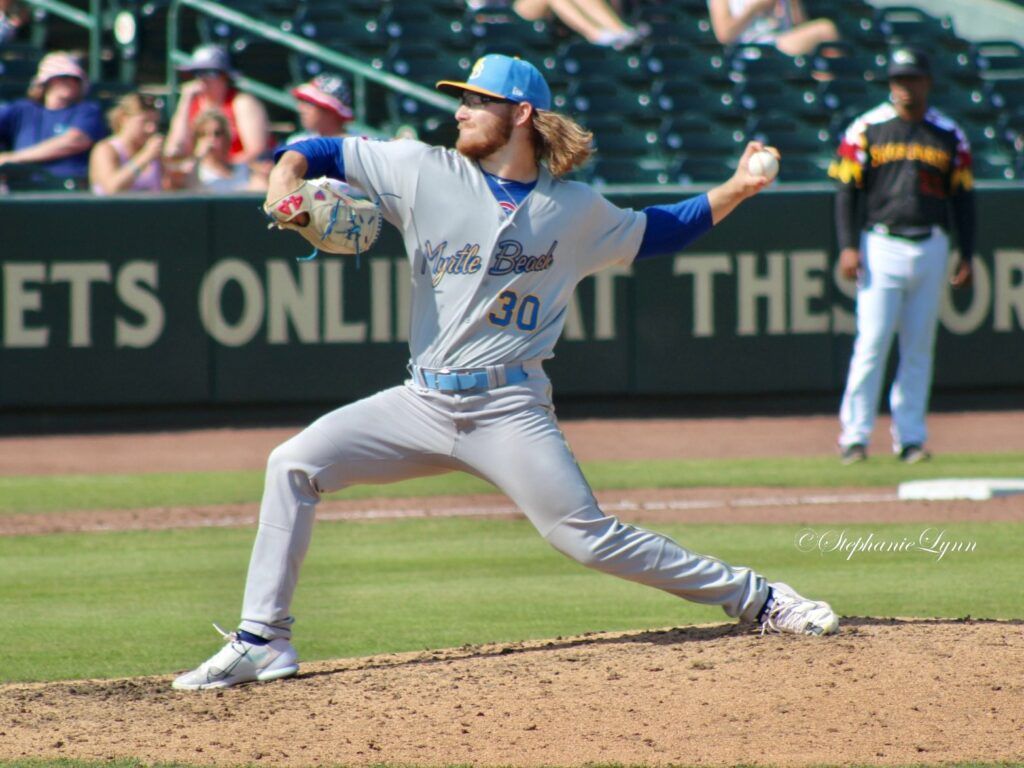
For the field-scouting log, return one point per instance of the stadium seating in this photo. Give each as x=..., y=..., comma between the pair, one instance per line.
x=901, y=24
x=766, y=62
x=677, y=106
x=704, y=170
x=624, y=170
x=1000, y=59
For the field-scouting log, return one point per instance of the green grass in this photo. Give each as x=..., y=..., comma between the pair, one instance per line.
x=133, y=603
x=40, y=494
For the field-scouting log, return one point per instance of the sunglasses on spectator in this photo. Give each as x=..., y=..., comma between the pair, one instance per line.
x=216, y=133
x=207, y=72
x=473, y=100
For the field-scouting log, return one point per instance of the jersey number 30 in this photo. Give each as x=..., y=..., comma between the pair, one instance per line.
x=524, y=313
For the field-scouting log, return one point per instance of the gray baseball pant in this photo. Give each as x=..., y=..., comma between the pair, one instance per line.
x=507, y=436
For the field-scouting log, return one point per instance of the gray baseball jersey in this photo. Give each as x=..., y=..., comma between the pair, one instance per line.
x=488, y=288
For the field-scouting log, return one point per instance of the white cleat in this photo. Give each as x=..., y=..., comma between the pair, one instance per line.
x=241, y=662
x=789, y=613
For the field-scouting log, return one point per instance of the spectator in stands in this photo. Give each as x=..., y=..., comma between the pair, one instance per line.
x=596, y=20
x=130, y=159
x=323, y=107
x=13, y=16
x=782, y=23
x=54, y=128
x=211, y=168
x=212, y=87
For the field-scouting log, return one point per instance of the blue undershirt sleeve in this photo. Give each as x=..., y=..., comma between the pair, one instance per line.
x=324, y=156
x=670, y=228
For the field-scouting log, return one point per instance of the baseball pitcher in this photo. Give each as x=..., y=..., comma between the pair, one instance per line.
x=497, y=242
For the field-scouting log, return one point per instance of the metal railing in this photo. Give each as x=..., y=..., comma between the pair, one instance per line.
x=92, y=20
x=360, y=73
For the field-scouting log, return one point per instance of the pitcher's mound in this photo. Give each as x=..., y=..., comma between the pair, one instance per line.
x=883, y=692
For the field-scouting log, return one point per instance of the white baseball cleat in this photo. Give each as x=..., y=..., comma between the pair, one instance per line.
x=789, y=613
x=241, y=662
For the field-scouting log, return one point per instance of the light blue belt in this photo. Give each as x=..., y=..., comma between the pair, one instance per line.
x=470, y=379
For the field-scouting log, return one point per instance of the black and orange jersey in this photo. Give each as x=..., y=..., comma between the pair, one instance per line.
x=908, y=175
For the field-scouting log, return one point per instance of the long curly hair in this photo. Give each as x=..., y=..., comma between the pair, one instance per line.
x=560, y=142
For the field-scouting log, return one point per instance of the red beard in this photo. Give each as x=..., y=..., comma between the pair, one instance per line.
x=492, y=139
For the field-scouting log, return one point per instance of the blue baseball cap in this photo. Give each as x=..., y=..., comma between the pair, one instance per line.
x=503, y=77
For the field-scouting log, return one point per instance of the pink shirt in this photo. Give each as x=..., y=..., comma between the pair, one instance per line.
x=148, y=180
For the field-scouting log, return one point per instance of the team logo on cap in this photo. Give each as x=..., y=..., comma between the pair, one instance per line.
x=478, y=69
x=904, y=57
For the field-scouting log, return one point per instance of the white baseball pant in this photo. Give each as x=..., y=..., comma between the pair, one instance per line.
x=508, y=436
x=899, y=293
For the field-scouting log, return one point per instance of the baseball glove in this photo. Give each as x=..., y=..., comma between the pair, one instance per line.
x=337, y=223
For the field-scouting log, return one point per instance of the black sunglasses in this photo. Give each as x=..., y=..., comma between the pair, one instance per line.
x=473, y=99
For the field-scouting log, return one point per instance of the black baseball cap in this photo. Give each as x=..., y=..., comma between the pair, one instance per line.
x=908, y=61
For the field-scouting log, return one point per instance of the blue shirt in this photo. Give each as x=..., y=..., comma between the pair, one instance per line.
x=25, y=123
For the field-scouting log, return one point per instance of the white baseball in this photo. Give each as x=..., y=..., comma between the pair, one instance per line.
x=763, y=163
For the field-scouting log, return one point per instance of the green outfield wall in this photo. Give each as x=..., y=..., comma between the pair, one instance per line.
x=191, y=300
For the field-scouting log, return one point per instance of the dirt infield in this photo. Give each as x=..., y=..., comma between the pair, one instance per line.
x=884, y=691
x=591, y=439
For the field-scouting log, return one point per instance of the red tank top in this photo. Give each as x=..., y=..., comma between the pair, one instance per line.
x=200, y=105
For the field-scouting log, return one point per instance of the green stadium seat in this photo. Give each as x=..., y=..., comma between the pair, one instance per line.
x=363, y=40
x=582, y=59
x=778, y=95
x=855, y=19
x=804, y=168
x=692, y=134
x=419, y=62
x=446, y=7
x=961, y=102
x=995, y=165
x=704, y=170
x=673, y=62
x=19, y=71
x=219, y=32
x=449, y=34
x=11, y=91
x=758, y=62
x=620, y=170
x=788, y=133
x=843, y=59
x=691, y=34
x=605, y=97
x=28, y=177
x=663, y=12
x=617, y=139
x=533, y=39
x=985, y=137
x=680, y=97
x=262, y=60
x=1000, y=59
x=906, y=24
x=1008, y=93
x=853, y=94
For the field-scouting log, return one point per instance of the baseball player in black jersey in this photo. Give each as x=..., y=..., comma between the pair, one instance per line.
x=904, y=173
